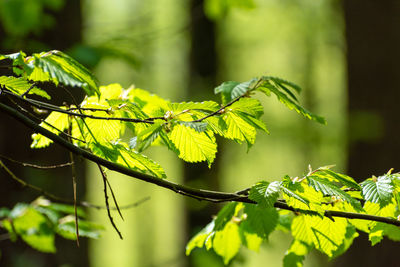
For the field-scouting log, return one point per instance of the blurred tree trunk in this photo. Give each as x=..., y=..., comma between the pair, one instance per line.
x=15, y=142
x=202, y=79
x=373, y=55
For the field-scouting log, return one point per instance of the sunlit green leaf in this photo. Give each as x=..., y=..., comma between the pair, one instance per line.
x=56, y=123
x=260, y=220
x=20, y=86
x=66, y=70
x=192, y=145
x=268, y=88
x=226, y=242
x=341, y=178
x=200, y=239
x=209, y=106
x=231, y=90
x=330, y=189
x=291, y=192
x=390, y=210
x=249, y=106
x=238, y=129
x=251, y=240
x=378, y=190
x=224, y=216
x=147, y=137
x=150, y=104
x=120, y=153
x=295, y=254
x=265, y=193
x=326, y=235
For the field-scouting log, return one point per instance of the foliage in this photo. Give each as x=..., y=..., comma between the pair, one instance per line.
x=37, y=223
x=322, y=209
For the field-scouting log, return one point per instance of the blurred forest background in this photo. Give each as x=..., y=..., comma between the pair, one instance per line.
x=344, y=54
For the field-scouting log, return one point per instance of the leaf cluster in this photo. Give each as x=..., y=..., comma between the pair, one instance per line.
x=310, y=208
x=38, y=223
x=114, y=126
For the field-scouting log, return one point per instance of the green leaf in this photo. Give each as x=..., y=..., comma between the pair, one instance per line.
x=330, y=189
x=284, y=221
x=225, y=215
x=58, y=207
x=209, y=106
x=132, y=109
x=66, y=70
x=198, y=126
x=120, y=153
x=256, y=123
x=226, y=242
x=284, y=85
x=145, y=138
x=34, y=229
x=378, y=190
x=326, y=235
x=382, y=229
x=389, y=210
x=200, y=239
x=265, y=193
x=249, y=106
x=149, y=103
x=295, y=254
x=58, y=121
x=217, y=125
x=251, y=240
x=291, y=192
x=192, y=145
x=260, y=220
x=20, y=86
x=231, y=90
x=238, y=129
x=67, y=228
x=341, y=178
x=281, y=81
x=102, y=131
x=267, y=88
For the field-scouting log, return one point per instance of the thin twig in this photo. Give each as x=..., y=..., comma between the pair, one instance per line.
x=222, y=109
x=73, y=173
x=36, y=166
x=73, y=170
x=25, y=184
x=46, y=106
x=219, y=111
x=133, y=205
x=106, y=200
x=113, y=195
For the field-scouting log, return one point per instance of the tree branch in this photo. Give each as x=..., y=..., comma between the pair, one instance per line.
x=207, y=195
